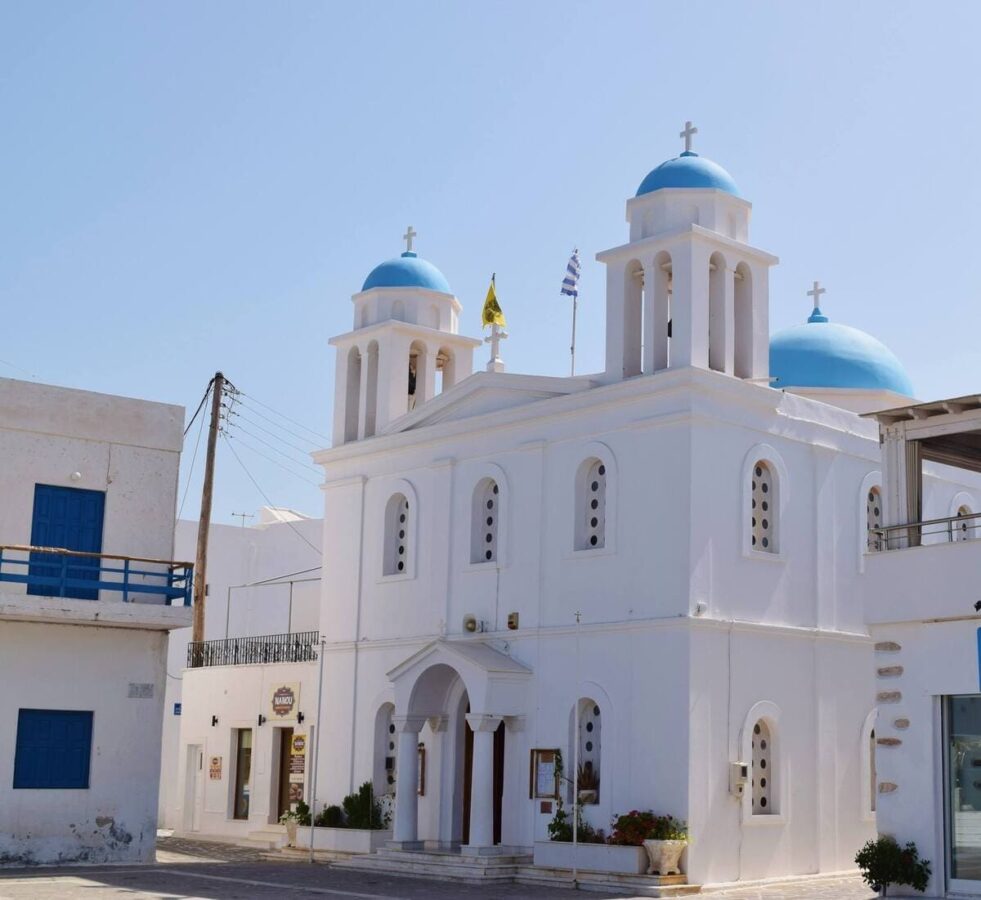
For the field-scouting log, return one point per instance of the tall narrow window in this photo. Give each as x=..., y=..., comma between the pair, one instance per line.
x=385, y=739
x=964, y=527
x=591, y=502
x=764, y=510
x=872, y=774
x=762, y=769
x=590, y=734
x=873, y=507
x=484, y=522
x=397, y=536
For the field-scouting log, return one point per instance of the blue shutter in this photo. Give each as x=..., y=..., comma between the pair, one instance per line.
x=70, y=519
x=54, y=747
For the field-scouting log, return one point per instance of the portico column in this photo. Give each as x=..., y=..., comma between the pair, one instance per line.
x=482, y=781
x=406, y=828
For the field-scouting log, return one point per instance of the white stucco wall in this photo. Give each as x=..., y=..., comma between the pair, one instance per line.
x=84, y=668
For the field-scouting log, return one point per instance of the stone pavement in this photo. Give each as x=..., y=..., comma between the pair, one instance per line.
x=200, y=870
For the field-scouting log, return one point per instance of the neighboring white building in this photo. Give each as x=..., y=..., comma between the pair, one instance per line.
x=263, y=583
x=672, y=548
x=83, y=625
x=922, y=598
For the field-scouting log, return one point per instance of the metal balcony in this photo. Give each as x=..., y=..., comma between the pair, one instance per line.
x=56, y=572
x=298, y=646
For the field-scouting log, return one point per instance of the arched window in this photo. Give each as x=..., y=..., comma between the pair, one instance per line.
x=659, y=329
x=371, y=389
x=763, y=767
x=591, y=503
x=385, y=755
x=484, y=521
x=764, y=509
x=872, y=773
x=397, y=536
x=445, y=369
x=352, y=401
x=873, y=508
x=742, y=317
x=964, y=529
x=590, y=749
x=717, y=312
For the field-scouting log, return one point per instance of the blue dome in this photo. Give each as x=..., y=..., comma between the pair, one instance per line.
x=407, y=270
x=823, y=354
x=688, y=171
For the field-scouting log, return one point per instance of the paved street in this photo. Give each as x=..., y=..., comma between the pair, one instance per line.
x=196, y=870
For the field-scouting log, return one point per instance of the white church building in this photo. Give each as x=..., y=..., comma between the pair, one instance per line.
x=670, y=552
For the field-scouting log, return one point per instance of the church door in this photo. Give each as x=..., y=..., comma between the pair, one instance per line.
x=498, y=780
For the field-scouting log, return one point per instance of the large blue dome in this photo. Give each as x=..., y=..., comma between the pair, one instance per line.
x=688, y=171
x=823, y=354
x=407, y=270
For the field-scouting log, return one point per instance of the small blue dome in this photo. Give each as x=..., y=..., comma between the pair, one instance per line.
x=407, y=270
x=688, y=171
x=823, y=354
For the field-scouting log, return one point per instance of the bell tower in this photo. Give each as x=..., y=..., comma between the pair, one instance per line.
x=687, y=289
x=403, y=350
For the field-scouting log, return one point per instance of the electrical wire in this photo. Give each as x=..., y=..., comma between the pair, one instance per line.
x=274, y=423
x=284, y=416
x=270, y=459
x=304, y=450
x=275, y=449
x=194, y=457
x=204, y=399
x=265, y=497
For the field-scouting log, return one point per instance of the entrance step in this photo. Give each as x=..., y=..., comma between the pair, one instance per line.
x=444, y=865
x=271, y=838
x=632, y=885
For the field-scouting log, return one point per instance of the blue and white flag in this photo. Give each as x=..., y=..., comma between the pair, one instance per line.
x=570, y=284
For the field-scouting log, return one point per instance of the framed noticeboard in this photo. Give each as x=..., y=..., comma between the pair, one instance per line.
x=544, y=781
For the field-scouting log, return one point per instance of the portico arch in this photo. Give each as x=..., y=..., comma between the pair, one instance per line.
x=454, y=696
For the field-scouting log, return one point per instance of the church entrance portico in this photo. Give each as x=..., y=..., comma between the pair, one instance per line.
x=453, y=703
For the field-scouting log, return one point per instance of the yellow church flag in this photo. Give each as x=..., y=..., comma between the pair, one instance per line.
x=492, y=314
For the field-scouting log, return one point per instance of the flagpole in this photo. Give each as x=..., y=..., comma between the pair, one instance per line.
x=575, y=303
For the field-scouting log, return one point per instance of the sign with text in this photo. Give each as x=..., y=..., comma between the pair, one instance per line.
x=214, y=768
x=544, y=774
x=284, y=703
x=298, y=760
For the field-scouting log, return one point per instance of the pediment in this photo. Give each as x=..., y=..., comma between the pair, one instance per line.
x=487, y=392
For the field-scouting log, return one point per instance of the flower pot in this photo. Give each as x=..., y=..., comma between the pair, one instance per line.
x=589, y=796
x=664, y=856
x=291, y=834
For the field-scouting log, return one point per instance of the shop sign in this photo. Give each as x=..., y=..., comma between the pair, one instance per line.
x=285, y=702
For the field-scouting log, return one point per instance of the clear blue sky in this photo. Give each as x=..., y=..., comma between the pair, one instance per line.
x=193, y=186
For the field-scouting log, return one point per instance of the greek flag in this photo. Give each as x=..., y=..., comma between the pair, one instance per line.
x=570, y=284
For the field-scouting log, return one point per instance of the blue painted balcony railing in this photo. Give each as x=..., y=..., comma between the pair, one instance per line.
x=55, y=572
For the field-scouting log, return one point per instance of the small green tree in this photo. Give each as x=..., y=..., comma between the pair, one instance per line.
x=884, y=862
x=362, y=809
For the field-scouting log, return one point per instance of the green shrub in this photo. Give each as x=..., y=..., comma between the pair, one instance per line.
x=884, y=862
x=362, y=809
x=560, y=828
x=302, y=813
x=330, y=817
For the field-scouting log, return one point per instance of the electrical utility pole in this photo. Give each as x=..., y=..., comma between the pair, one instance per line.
x=204, y=525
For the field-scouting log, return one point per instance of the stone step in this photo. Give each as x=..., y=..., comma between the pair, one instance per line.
x=446, y=867
x=635, y=885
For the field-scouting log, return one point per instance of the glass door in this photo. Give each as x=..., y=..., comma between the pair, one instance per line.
x=243, y=773
x=962, y=737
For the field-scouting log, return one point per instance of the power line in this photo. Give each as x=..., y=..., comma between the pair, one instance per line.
x=284, y=416
x=272, y=434
x=275, y=424
x=197, y=444
x=275, y=449
x=238, y=459
x=204, y=399
x=270, y=459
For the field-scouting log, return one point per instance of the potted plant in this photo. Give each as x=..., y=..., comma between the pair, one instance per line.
x=588, y=781
x=291, y=819
x=666, y=839
x=884, y=862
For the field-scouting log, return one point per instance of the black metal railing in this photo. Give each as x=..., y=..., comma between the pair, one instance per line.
x=299, y=646
x=56, y=572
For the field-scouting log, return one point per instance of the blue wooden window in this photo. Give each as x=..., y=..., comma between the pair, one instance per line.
x=70, y=519
x=54, y=747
